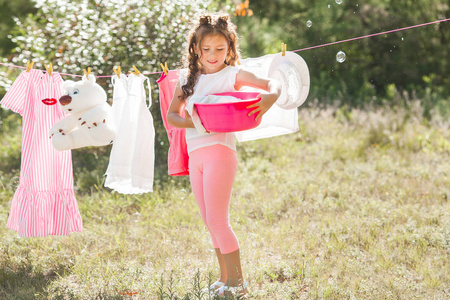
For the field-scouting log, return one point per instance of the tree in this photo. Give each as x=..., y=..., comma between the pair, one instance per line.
x=8, y=9
x=372, y=64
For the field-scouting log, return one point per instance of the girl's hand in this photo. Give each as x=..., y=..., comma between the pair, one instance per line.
x=261, y=107
x=177, y=110
x=187, y=116
x=188, y=120
x=245, y=78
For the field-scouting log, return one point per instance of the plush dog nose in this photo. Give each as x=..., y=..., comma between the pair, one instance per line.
x=64, y=100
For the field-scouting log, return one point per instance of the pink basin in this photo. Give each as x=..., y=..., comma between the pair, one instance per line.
x=229, y=117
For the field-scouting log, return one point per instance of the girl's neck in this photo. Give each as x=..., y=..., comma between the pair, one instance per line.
x=207, y=72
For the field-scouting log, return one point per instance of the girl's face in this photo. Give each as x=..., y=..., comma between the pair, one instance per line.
x=213, y=52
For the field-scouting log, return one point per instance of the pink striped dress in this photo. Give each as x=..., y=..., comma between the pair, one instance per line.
x=44, y=203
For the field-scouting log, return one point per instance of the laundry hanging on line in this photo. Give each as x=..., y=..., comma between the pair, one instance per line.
x=132, y=159
x=44, y=203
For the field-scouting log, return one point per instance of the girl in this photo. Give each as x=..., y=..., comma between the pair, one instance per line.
x=212, y=55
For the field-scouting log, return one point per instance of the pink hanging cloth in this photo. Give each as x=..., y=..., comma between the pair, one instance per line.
x=44, y=203
x=178, y=158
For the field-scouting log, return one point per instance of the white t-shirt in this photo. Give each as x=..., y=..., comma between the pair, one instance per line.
x=208, y=84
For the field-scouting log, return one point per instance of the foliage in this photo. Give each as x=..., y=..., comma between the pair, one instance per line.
x=372, y=64
x=17, y=8
x=103, y=34
x=10, y=147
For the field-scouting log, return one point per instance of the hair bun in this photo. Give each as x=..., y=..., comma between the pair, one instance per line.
x=222, y=21
x=205, y=20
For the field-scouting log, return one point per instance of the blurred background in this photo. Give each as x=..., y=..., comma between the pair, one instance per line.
x=389, y=70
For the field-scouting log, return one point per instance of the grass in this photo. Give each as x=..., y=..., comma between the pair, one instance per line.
x=353, y=206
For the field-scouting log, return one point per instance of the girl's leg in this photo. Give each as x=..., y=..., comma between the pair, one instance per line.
x=196, y=178
x=234, y=270
x=222, y=265
x=212, y=172
x=220, y=166
x=219, y=173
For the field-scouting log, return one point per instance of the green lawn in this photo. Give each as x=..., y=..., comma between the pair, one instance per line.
x=353, y=206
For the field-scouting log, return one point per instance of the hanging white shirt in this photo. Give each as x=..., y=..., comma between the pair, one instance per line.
x=132, y=158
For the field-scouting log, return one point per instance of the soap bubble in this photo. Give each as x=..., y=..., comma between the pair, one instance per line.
x=340, y=56
x=309, y=23
x=136, y=217
x=15, y=181
x=338, y=1
x=183, y=193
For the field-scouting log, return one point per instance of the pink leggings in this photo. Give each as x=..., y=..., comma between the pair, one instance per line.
x=212, y=170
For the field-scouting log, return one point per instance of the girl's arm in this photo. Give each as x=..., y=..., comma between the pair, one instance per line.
x=245, y=78
x=176, y=107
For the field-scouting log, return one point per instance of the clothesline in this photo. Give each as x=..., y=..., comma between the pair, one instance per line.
x=374, y=34
x=298, y=50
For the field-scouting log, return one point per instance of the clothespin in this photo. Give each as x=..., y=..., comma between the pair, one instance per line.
x=117, y=70
x=49, y=69
x=283, y=49
x=87, y=72
x=29, y=65
x=136, y=71
x=165, y=68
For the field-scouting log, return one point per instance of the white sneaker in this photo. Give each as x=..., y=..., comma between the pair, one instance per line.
x=236, y=291
x=213, y=287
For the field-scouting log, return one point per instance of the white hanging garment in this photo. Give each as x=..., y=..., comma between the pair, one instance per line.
x=132, y=158
x=277, y=121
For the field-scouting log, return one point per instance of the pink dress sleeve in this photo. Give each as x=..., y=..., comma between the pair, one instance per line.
x=15, y=97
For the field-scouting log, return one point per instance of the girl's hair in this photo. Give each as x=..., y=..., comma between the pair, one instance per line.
x=208, y=24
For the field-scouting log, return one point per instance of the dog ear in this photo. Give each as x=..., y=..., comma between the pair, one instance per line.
x=90, y=79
